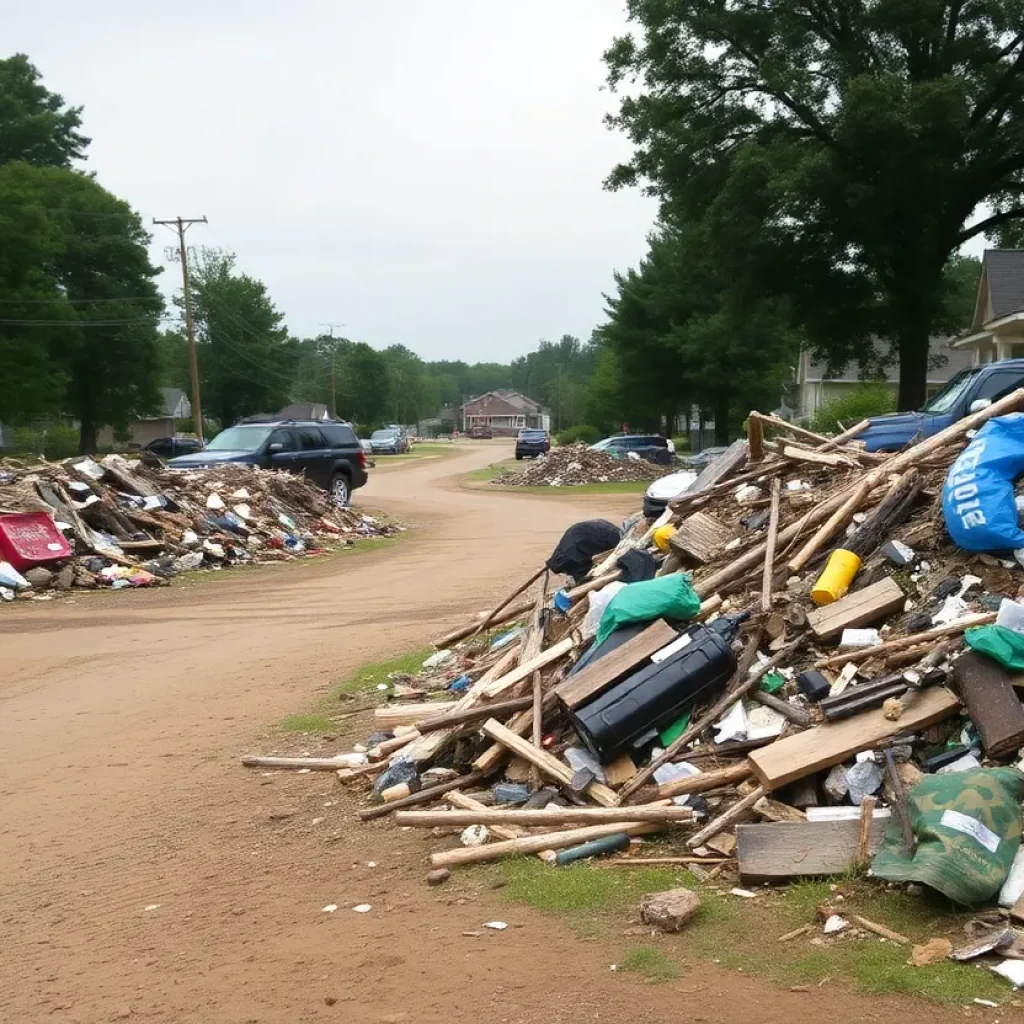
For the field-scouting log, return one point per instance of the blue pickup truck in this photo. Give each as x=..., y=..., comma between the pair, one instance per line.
x=969, y=391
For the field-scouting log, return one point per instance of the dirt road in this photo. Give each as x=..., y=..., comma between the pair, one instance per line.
x=142, y=878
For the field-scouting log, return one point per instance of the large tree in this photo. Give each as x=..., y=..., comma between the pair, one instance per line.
x=861, y=136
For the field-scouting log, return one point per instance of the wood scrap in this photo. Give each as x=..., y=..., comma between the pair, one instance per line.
x=776, y=851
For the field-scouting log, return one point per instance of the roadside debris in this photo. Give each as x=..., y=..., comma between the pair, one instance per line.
x=773, y=718
x=117, y=524
x=579, y=464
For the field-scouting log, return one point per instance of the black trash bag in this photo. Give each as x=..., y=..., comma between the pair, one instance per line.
x=574, y=553
x=637, y=566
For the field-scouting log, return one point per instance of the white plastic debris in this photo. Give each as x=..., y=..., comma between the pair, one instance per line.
x=953, y=608
x=835, y=924
x=962, y=764
x=666, y=652
x=860, y=638
x=744, y=893
x=437, y=659
x=6, y=594
x=1011, y=615
x=843, y=813
x=497, y=926
x=597, y=602
x=475, y=835
x=984, y=1002
x=1012, y=971
x=732, y=725
x=747, y=493
x=11, y=578
x=1013, y=887
x=362, y=908
x=330, y=908
x=673, y=771
x=153, y=906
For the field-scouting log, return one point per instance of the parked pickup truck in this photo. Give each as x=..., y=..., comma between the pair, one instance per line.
x=969, y=391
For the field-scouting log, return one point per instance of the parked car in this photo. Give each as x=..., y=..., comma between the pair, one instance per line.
x=169, y=447
x=704, y=458
x=327, y=453
x=651, y=447
x=969, y=391
x=480, y=432
x=663, y=490
x=531, y=443
x=389, y=441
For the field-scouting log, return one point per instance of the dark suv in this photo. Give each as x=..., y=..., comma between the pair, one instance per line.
x=169, y=447
x=327, y=453
x=651, y=447
x=531, y=443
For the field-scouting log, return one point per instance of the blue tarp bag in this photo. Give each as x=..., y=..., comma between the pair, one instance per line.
x=978, y=496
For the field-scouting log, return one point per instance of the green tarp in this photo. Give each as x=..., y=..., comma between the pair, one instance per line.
x=666, y=597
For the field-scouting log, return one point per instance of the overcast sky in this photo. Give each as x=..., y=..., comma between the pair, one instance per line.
x=426, y=171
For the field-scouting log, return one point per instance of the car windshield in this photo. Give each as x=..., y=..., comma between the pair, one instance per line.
x=240, y=439
x=606, y=443
x=951, y=393
x=533, y=435
x=382, y=435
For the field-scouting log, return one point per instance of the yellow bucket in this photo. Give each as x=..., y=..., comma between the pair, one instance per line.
x=836, y=577
x=661, y=537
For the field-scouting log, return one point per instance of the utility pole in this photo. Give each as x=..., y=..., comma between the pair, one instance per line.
x=333, y=403
x=183, y=224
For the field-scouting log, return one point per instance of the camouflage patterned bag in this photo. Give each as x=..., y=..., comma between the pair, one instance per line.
x=968, y=828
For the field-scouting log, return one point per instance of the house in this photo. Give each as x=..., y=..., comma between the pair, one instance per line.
x=174, y=406
x=814, y=386
x=304, y=411
x=504, y=411
x=997, y=331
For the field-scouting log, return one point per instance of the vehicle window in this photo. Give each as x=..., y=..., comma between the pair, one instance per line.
x=240, y=439
x=951, y=393
x=310, y=439
x=998, y=385
x=338, y=435
x=382, y=435
x=283, y=437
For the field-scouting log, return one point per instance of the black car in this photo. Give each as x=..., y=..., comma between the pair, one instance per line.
x=531, y=443
x=327, y=453
x=169, y=447
x=651, y=447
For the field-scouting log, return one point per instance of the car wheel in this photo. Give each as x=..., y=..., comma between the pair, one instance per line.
x=340, y=490
x=519, y=458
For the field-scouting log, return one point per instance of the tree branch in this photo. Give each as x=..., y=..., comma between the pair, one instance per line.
x=1014, y=213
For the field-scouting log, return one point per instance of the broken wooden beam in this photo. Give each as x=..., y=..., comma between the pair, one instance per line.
x=992, y=703
x=860, y=608
x=706, y=780
x=422, y=797
x=699, y=538
x=542, y=816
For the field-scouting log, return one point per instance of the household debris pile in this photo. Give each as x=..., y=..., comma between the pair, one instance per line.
x=578, y=463
x=117, y=524
x=833, y=691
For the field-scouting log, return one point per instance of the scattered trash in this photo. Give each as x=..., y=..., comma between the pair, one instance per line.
x=362, y=908
x=580, y=464
x=329, y=909
x=497, y=926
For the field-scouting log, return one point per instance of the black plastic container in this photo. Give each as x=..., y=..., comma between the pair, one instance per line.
x=629, y=716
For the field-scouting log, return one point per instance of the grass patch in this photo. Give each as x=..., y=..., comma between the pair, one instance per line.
x=322, y=716
x=488, y=473
x=654, y=964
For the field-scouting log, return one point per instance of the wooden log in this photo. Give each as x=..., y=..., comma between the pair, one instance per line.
x=314, y=764
x=862, y=607
x=537, y=726
x=706, y=780
x=699, y=538
x=723, y=821
x=600, y=583
x=755, y=439
x=548, y=763
x=867, y=817
x=880, y=929
x=467, y=803
x=533, y=638
x=903, y=642
x=836, y=522
x=769, y=554
x=525, y=670
x=849, y=434
x=474, y=714
x=793, y=757
x=891, y=511
x=817, y=458
x=388, y=747
x=776, y=810
x=424, y=796
x=543, y=816
x=604, y=672
x=741, y=684
x=783, y=850
x=798, y=716
x=390, y=715
x=535, y=844
x=991, y=701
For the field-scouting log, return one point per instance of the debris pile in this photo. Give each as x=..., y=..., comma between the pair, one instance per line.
x=119, y=524
x=578, y=463
x=791, y=695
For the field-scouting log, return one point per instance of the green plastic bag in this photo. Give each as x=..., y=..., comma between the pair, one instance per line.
x=967, y=826
x=665, y=597
x=1001, y=644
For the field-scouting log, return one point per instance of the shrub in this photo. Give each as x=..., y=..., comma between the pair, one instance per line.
x=583, y=432
x=861, y=402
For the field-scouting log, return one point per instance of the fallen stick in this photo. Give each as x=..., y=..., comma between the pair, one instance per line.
x=489, y=617
x=798, y=716
x=863, y=653
x=422, y=797
x=740, y=687
x=769, y=551
x=706, y=780
x=388, y=747
x=512, y=612
x=640, y=862
x=848, y=435
x=794, y=934
x=837, y=521
x=542, y=816
x=390, y=715
x=314, y=764
x=453, y=718
x=534, y=844
x=467, y=803
x=880, y=929
x=723, y=821
x=867, y=814
x=537, y=724
x=524, y=671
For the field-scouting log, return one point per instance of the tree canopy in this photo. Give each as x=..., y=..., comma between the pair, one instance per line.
x=837, y=150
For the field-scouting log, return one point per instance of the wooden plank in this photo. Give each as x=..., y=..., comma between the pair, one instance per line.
x=314, y=764
x=699, y=538
x=769, y=553
x=755, y=439
x=991, y=703
x=620, y=771
x=793, y=757
x=424, y=796
x=817, y=458
x=779, y=850
x=541, y=816
x=706, y=780
x=860, y=608
x=526, y=669
x=723, y=821
x=467, y=803
x=602, y=673
x=390, y=715
x=547, y=763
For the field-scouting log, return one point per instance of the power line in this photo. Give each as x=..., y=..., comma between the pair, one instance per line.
x=183, y=224
x=65, y=299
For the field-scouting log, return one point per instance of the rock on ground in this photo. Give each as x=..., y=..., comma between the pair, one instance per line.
x=669, y=911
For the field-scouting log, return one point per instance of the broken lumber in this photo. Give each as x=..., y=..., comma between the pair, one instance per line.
x=699, y=538
x=422, y=797
x=605, y=671
x=860, y=608
x=880, y=929
x=387, y=717
x=542, y=816
x=991, y=701
x=535, y=844
x=782, y=850
x=836, y=522
x=706, y=780
x=547, y=763
x=793, y=757
x=769, y=551
x=467, y=803
x=526, y=669
x=723, y=821
x=314, y=764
